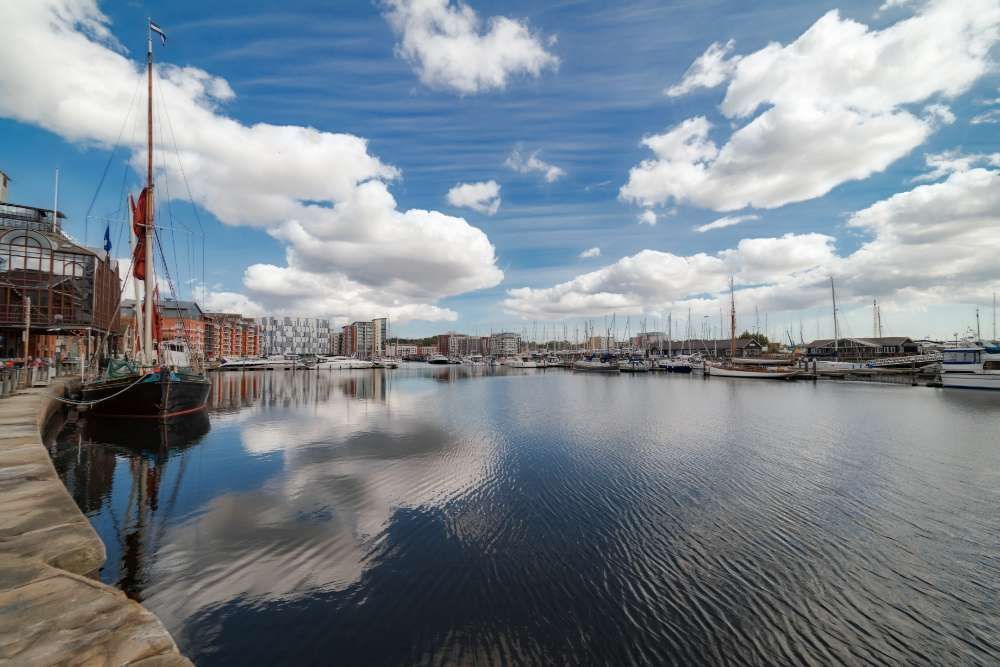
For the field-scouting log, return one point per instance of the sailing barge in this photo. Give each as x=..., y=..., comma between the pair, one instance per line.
x=158, y=383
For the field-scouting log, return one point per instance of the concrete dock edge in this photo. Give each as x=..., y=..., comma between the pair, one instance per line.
x=51, y=612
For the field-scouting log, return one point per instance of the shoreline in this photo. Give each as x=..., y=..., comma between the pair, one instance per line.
x=52, y=607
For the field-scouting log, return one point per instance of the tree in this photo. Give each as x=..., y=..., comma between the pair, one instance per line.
x=760, y=338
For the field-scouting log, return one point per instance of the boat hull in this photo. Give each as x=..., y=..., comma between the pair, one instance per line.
x=155, y=395
x=750, y=374
x=594, y=367
x=971, y=381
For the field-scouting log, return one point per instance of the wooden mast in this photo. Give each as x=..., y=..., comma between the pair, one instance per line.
x=732, y=320
x=149, y=280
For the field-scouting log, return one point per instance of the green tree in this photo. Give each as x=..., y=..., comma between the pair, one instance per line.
x=760, y=338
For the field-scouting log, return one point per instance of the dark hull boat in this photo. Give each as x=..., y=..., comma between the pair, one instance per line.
x=158, y=382
x=157, y=394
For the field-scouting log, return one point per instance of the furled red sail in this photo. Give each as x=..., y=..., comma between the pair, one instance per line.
x=139, y=228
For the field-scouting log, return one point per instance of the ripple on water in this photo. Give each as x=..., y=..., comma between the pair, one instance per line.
x=437, y=516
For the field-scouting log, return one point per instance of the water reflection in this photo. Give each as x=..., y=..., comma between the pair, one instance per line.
x=478, y=515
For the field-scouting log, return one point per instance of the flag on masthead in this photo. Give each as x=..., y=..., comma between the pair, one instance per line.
x=159, y=31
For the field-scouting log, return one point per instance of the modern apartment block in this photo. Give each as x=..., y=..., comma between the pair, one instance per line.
x=294, y=335
x=231, y=335
x=504, y=344
x=365, y=339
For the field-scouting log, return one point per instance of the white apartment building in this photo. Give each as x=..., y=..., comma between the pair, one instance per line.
x=294, y=335
x=504, y=344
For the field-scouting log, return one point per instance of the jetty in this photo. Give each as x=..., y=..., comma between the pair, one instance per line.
x=53, y=610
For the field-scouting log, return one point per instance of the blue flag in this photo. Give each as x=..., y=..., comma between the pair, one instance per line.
x=107, y=239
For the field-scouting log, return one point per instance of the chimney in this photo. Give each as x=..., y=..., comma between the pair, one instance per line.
x=4, y=180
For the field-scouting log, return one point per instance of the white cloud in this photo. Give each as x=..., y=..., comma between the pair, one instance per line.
x=590, y=253
x=987, y=117
x=835, y=109
x=709, y=70
x=648, y=217
x=948, y=162
x=449, y=47
x=483, y=197
x=725, y=221
x=935, y=244
x=350, y=250
x=891, y=4
x=526, y=164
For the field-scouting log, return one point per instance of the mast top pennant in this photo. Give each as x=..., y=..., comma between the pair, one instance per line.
x=159, y=31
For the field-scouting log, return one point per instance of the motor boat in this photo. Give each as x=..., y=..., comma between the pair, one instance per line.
x=971, y=367
x=522, y=362
x=596, y=365
x=438, y=359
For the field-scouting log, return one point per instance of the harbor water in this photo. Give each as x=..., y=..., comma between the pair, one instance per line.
x=457, y=515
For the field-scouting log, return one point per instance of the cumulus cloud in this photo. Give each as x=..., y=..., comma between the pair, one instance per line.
x=483, y=197
x=450, y=47
x=590, y=253
x=830, y=107
x=725, y=221
x=948, y=162
x=648, y=217
x=936, y=243
x=523, y=164
x=349, y=249
x=709, y=70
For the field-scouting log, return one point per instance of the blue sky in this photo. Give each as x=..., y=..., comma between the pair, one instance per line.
x=337, y=67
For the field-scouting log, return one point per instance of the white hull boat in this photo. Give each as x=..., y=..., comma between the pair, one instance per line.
x=975, y=367
x=751, y=373
x=595, y=366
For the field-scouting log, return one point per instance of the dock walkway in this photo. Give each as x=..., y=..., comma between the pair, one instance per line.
x=51, y=611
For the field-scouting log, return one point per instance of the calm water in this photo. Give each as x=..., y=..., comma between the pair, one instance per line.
x=445, y=515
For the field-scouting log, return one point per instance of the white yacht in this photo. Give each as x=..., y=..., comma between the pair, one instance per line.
x=632, y=365
x=438, y=359
x=596, y=365
x=337, y=363
x=971, y=367
x=240, y=364
x=522, y=362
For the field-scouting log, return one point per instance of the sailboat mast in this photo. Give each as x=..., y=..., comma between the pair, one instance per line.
x=732, y=320
x=836, y=329
x=150, y=279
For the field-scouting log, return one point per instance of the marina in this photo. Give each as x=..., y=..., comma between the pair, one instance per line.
x=452, y=332
x=338, y=506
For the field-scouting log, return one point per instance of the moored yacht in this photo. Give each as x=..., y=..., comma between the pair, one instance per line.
x=971, y=367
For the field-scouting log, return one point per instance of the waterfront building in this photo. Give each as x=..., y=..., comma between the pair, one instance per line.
x=294, y=335
x=229, y=335
x=459, y=345
x=401, y=350
x=336, y=342
x=365, y=339
x=61, y=292
x=862, y=349
x=427, y=350
x=443, y=342
x=504, y=344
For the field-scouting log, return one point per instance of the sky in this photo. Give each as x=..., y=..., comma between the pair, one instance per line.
x=531, y=166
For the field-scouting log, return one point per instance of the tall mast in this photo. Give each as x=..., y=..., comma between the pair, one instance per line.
x=836, y=329
x=732, y=320
x=150, y=280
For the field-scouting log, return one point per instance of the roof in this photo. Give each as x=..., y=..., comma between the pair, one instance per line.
x=863, y=342
x=188, y=310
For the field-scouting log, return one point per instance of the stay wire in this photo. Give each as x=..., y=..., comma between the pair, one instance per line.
x=111, y=157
